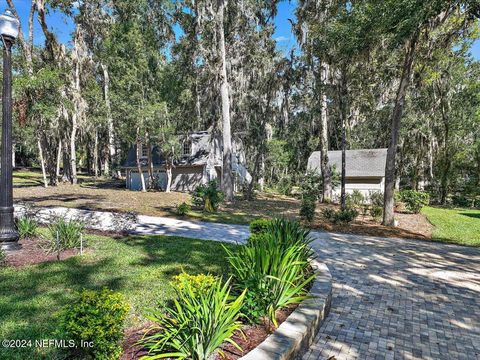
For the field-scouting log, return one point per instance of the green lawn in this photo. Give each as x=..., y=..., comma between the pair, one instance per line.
x=459, y=226
x=140, y=267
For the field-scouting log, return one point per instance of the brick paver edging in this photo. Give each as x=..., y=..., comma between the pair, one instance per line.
x=295, y=335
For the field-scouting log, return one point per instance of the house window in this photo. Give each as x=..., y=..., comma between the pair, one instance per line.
x=187, y=148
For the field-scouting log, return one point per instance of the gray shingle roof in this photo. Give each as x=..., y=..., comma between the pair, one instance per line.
x=358, y=163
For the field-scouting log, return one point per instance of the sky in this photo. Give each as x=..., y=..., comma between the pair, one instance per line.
x=63, y=27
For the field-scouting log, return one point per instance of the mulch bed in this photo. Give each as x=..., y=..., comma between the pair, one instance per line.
x=410, y=226
x=253, y=335
x=32, y=253
x=248, y=338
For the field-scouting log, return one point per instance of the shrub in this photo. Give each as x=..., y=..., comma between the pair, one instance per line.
x=26, y=226
x=414, y=200
x=259, y=226
x=285, y=186
x=340, y=216
x=199, y=283
x=462, y=201
x=183, y=209
x=376, y=198
x=346, y=216
x=307, y=209
x=3, y=257
x=273, y=270
x=208, y=197
x=311, y=185
x=355, y=199
x=376, y=212
x=69, y=233
x=329, y=214
x=97, y=317
x=196, y=325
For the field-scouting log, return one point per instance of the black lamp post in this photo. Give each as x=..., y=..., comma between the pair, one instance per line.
x=9, y=26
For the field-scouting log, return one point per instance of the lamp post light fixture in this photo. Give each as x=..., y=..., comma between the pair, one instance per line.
x=9, y=27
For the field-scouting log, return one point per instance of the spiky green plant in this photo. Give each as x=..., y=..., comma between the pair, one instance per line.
x=26, y=226
x=274, y=269
x=197, y=324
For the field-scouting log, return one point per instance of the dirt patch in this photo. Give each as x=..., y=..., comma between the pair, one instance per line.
x=252, y=335
x=32, y=252
x=412, y=226
x=131, y=350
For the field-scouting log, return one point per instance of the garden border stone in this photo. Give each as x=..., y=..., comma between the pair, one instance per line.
x=295, y=335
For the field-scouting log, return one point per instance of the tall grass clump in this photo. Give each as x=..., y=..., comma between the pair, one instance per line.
x=274, y=269
x=197, y=324
x=65, y=234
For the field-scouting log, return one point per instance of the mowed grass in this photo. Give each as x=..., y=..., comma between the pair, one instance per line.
x=459, y=226
x=140, y=267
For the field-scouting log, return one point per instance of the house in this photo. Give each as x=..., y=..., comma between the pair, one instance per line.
x=364, y=169
x=200, y=162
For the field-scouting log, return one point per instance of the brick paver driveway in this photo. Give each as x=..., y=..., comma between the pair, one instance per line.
x=399, y=299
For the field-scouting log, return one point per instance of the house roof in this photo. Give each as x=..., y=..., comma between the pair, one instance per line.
x=358, y=163
x=202, y=141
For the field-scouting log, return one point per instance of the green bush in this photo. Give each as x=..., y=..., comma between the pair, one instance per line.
x=26, y=226
x=274, y=271
x=346, y=216
x=285, y=186
x=376, y=198
x=69, y=233
x=355, y=199
x=329, y=214
x=259, y=226
x=183, y=209
x=196, y=325
x=376, y=212
x=462, y=201
x=413, y=200
x=340, y=216
x=311, y=185
x=97, y=317
x=198, y=283
x=307, y=209
x=208, y=197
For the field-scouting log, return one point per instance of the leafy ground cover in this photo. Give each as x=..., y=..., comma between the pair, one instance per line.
x=460, y=226
x=139, y=267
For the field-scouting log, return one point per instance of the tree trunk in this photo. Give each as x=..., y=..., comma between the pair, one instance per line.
x=150, y=165
x=42, y=162
x=168, y=169
x=59, y=157
x=227, y=176
x=324, y=168
x=139, y=164
x=343, y=102
x=73, y=151
x=66, y=177
x=95, y=155
x=388, y=201
x=261, y=180
x=111, y=139
x=447, y=163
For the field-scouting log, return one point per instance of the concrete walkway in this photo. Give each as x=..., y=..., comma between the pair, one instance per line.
x=392, y=298
x=146, y=225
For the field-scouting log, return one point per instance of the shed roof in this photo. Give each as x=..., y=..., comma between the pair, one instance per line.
x=358, y=163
